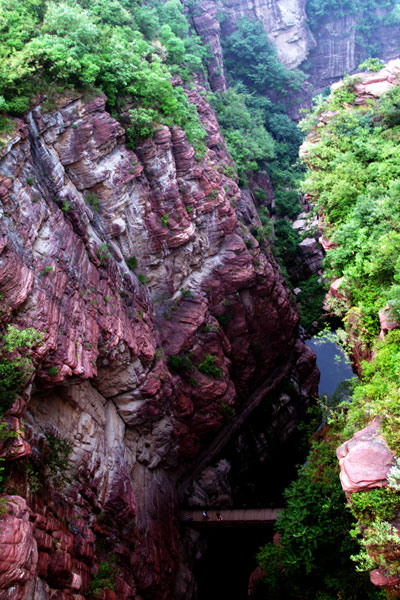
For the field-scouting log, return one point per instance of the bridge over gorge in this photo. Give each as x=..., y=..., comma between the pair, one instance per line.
x=231, y=517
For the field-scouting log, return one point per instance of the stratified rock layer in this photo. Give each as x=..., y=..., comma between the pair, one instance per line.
x=124, y=259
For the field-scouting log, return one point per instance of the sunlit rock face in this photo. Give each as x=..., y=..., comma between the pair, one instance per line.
x=123, y=259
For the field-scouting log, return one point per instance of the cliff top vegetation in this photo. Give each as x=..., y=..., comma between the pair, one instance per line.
x=125, y=49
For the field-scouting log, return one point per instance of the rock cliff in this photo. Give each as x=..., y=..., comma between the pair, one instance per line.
x=335, y=47
x=159, y=313
x=285, y=22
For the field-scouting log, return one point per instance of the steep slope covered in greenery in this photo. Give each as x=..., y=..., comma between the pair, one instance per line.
x=352, y=153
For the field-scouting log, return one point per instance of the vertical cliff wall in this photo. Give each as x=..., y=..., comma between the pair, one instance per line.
x=337, y=45
x=159, y=311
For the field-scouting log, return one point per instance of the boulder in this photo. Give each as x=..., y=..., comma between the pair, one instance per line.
x=365, y=460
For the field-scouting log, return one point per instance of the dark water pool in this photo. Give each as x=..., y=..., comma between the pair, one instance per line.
x=333, y=364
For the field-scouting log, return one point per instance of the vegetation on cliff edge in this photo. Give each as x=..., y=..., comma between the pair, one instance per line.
x=126, y=49
x=353, y=178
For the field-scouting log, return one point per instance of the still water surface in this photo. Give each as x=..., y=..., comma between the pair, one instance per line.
x=332, y=362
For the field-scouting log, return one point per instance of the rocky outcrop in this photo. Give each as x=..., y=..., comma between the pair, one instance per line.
x=205, y=19
x=335, y=47
x=159, y=313
x=285, y=22
x=365, y=460
x=335, y=50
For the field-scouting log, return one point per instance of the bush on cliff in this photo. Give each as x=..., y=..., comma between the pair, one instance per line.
x=354, y=180
x=353, y=176
x=15, y=363
x=311, y=558
x=250, y=58
x=96, y=45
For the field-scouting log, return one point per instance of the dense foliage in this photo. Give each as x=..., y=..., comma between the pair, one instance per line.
x=353, y=177
x=250, y=58
x=249, y=114
x=15, y=362
x=354, y=171
x=107, y=45
x=311, y=559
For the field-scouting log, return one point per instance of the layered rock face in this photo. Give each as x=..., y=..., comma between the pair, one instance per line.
x=338, y=51
x=123, y=260
x=335, y=51
x=326, y=54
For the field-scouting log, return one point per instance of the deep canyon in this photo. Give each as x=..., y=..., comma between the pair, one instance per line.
x=171, y=371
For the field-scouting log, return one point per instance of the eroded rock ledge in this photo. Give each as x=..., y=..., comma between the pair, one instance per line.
x=76, y=205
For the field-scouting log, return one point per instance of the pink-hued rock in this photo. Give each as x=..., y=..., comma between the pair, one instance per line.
x=365, y=460
x=327, y=244
x=386, y=321
x=18, y=550
x=255, y=579
x=101, y=375
x=378, y=578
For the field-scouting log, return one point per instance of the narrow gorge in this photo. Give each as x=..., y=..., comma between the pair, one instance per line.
x=152, y=359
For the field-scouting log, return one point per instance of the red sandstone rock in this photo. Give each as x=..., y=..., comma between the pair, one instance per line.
x=364, y=460
x=18, y=550
x=379, y=579
x=100, y=331
x=386, y=321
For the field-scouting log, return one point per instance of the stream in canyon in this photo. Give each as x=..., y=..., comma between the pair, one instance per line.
x=230, y=558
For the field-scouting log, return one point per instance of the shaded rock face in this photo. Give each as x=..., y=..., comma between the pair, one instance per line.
x=337, y=49
x=76, y=204
x=285, y=22
x=326, y=54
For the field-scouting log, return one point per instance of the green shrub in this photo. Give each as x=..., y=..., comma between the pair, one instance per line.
x=376, y=504
x=93, y=200
x=46, y=270
x=371, y=64
x=16, y=364
x=104, y=579
x=186, y=293
x=312, y=559
x=55, y=460
x=180, y=363
x=103, y=254
x=132, y=262
x=208, y=367
x=164, y=220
